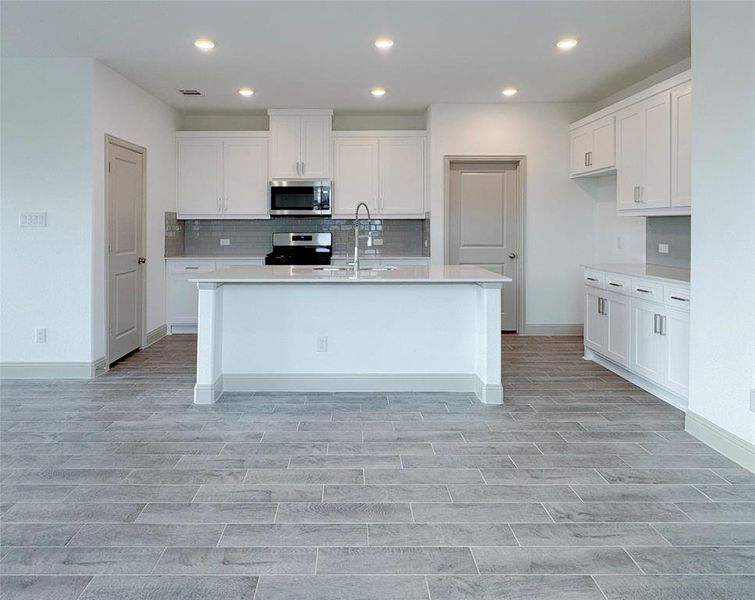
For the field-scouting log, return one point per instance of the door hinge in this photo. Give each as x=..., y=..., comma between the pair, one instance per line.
x=109, y=251
x=108, y=166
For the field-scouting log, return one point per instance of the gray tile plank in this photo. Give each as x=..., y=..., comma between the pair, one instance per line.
x=170, y=587
x=511, y=493
x=208, y=512
x=355, y=461
x=587, y=534
x=91, y=512
x=674, y=587
x=457, y=462
x=476, y=512
x=710, y=559
x=655, y=476
x=719, y=512
x=703, y=534
x=259, y=493
x=80, y=561
x=35, y=587
x=513, y=587
x=310, y=476
x=386, y=493
x=141, y=534
x=186, y=476
x=34, y=493
x=638, y=493
x=133, y=493
x=304, y=534
x=730, y=493
x=395, y=561
x=36, y=534
x=342, y=587
x=344, y=512
x=440, y=534
x=615, y=512
x=415, y=476
x=541, y=476
x=554, y=561
x=237, y=561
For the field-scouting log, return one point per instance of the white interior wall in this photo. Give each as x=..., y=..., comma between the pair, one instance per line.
x=126, y=111
x=46, y=167
x=722, y=371
x=560, y=233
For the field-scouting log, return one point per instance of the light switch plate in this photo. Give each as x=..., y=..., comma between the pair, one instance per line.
x=33, y=219
x=225, y=242
x=663, y=248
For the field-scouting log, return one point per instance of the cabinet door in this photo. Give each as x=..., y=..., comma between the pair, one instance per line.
x=356, y=175
x=581, y=145
x=199, y=176
x=656, y=185
x=630, y=145
x=618, y=321
x=182, y=300
x=647, y=344
x=402, y=177
x=285, y=147
x=681, y=145
x=315, y=147
x=603, y=144
x=675, y=332
x=245, y=177
x=595, y=323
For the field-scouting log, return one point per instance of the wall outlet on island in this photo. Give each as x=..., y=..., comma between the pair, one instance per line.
x=663, y=248
x=322, y=343
x=40, y=335
x=225, y=242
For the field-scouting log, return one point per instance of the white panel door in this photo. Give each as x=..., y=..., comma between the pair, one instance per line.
x=315, y=147
x=484, y=225
x=675, y=331
x=125, y=201
x=603, y=144
x=630, y=161
x=647, y=343
x=581, y=145
x=199, y=176
x=355, y=177
x=617, y=322
x=245, y=177
x=656, y=185
x=402, y=177
x=595, y=322
x=285, y=147
x=681, y=145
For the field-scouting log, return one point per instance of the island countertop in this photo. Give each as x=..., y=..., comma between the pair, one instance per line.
x=308, y=274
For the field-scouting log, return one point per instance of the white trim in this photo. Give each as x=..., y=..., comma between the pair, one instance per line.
x=363, y=382
x=673, y=399
x=300, y=112
x=181, y=329
x=663, y=86
x=155, y=335
x=100, y=366
x=208, y=393
x=554, y=329
x=52, y=370
x=221, y=217
x=384, y=133
x=253, y=133
x=731, y=446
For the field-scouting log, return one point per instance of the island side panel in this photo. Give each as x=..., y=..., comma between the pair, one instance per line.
x=488, y=360
x=209, y=384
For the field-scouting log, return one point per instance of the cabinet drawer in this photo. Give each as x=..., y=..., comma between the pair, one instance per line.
x=595, y=279
x=239, y=262
x=188, y=267
x=647, y=290
x=616, y=283
x=678, y=297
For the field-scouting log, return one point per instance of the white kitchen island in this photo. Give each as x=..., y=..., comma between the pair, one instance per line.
x=300, y=329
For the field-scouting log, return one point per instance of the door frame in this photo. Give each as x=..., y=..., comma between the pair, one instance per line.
x=111, y=139
x=521, y=170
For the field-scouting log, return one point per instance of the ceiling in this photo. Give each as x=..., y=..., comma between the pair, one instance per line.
x=321, y=54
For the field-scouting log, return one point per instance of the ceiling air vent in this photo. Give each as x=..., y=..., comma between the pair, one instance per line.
x=191, y=92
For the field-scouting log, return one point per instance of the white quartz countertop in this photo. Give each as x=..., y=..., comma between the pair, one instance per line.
x=402, y=274
x=672, y=274
x=336, y=257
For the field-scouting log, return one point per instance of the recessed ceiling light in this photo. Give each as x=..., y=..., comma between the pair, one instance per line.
x=246, y=92
x=204, y=44
x=378, y=92
x=567, y=43
x=383, y=43
x=509, y=91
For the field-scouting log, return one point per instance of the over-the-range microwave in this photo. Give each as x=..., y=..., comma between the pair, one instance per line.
x=300, y=197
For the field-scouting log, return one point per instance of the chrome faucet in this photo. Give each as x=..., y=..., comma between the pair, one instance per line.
x=357, y=237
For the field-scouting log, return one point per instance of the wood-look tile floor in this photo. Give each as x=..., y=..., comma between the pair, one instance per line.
x=581, y=487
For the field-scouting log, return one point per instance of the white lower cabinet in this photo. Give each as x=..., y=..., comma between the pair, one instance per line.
x=647, y=338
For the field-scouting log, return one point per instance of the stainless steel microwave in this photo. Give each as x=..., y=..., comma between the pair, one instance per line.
x=300, y=197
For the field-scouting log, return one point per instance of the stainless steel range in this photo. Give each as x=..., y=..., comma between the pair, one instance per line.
x=301, y=249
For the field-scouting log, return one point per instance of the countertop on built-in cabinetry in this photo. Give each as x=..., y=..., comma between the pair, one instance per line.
x=336, y=257
x=671, y=274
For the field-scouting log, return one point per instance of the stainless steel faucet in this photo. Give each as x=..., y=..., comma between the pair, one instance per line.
x=357, y=237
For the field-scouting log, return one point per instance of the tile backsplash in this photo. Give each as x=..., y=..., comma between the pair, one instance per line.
x=672, y=231
x=401, y=237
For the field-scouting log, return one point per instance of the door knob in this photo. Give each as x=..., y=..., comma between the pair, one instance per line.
x=141, y=260
x=512, y=255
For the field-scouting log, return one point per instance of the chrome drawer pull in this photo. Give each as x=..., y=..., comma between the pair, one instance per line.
x=615, y=284
x=190, y=268
x=680, y=299
x=644, y=291
x=591, y=279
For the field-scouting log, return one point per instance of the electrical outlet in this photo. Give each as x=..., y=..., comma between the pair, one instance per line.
x=322, y=343
x=377, y=241
x=663, y=248
x=33, y=219
x=225, y=242
x=40, y=335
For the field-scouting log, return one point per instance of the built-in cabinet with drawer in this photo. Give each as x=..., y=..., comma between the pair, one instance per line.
x=652, y=152
x=386, y=172
x=300, y=144
x=221, y=175
x=640, y=327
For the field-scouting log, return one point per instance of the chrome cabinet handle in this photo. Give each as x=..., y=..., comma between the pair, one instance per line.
x=656, y=318
x=590, y=278
x=589, y=159
x=191, y=268
x=302, y=168
x=680, y=299
x=643, y=291
x=615, y=284
x=219, y=205
x=600, y=303
x=585, y=158
x=225, y=203
x=663, y=325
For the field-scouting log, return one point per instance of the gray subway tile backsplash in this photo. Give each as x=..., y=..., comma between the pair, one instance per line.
x=401, y=237
x=673, y=231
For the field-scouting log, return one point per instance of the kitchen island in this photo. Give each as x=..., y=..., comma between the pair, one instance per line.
x=329, y=329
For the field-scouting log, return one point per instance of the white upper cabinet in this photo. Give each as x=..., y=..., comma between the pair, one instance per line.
x=221, y=176
x=386, y=172
x=300, y=144
x=681, y=145
x=593, y=147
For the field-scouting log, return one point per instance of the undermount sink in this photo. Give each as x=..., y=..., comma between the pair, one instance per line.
x=334, y=268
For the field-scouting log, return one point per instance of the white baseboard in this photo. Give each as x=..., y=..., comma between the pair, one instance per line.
x=52, y=370
x=673, y=399
x=155, y=335
x=368, y=382
x=171, y=329
x=208, y=393
x=731, y=446
x=551, y=330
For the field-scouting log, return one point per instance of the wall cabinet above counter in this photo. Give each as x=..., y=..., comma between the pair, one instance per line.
x=646, y=140
x=300, y=144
